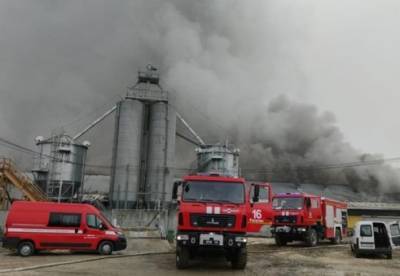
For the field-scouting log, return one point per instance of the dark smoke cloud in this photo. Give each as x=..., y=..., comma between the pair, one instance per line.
x=227, y=62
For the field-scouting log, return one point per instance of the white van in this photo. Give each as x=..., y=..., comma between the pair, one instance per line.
x=375, y=237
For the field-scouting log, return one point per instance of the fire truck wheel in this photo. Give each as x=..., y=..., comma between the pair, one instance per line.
x=26, y=249
x=182, y=257
x=239, y=259
x=312, y=237
x=338, y=237
x=105, y=248
x=280, y=241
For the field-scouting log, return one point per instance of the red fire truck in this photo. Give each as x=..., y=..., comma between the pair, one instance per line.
x=216, y=212
x=308, y=218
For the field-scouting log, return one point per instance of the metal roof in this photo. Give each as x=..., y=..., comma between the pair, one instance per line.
x=374, y=206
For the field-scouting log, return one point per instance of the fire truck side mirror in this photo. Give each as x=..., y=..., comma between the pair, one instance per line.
x=308, y=202
x=175, y=190
x=256, y=196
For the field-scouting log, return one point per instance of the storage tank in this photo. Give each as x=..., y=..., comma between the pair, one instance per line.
x=162, y=127
x=127, y=151
x=144, y=145
x=222, y=159
x=61, y=163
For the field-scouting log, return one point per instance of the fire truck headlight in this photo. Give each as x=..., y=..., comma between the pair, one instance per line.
x=182, y=237
x=241, y=239
x=301, y=229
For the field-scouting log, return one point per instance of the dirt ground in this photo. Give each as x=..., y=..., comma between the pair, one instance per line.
x=264, y=259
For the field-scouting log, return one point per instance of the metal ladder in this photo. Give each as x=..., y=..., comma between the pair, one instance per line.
x=10, y=174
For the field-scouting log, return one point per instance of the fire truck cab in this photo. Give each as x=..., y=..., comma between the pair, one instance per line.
x=214, y=213
x=308, y=218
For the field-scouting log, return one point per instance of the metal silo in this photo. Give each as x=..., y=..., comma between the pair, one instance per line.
x=222, y=159
x=144, y=145
x=126, y=153
x=162, y=127
x=59, y=168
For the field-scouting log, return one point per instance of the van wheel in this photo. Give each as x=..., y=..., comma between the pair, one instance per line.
x=182, y=257
x=311, y=238
x=389, y=256
x=338, y=237
x=105, y=248
x=26, y=249
x=239, y=259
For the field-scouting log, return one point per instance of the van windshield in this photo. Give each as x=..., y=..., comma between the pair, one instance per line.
x=284, y=203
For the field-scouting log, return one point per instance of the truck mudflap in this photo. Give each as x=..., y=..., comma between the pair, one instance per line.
x=211, y=239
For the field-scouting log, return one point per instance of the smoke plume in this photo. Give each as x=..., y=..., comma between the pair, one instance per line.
x=238, y=70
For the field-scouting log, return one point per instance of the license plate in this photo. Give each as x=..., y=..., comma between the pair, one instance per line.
x=211, y=239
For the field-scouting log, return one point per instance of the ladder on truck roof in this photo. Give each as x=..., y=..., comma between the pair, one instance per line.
x=10, y=174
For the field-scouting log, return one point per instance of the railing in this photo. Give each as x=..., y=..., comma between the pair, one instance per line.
x=9, y=171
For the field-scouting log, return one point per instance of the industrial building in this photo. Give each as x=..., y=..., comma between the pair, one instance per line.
x=372, y=210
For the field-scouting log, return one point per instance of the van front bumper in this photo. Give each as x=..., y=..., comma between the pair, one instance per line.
x=10, y=243
x=120, y=244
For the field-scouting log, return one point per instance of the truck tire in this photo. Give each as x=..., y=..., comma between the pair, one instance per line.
x=279, y=240
x=389, y=255
x=26, y=249
x=182, y=257
x=311, y=237
x=338, y=237
x=105, y=248
x=239, y=259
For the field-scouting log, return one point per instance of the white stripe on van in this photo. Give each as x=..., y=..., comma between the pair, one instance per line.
x=38, y=230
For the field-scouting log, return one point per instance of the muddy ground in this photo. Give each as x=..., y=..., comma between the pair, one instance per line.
x=264, y=259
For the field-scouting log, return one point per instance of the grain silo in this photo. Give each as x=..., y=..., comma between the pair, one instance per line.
x=59, y=166
x=144, y=146
x=218, y=158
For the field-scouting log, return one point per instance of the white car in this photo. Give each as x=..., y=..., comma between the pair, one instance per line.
x=375, y=238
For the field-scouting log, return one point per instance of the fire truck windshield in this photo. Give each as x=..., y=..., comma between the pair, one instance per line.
x=284, y=203
x=209, y=191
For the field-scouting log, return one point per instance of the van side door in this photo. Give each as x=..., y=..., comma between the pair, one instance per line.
x=64, y=231
x=394, y=233
x=260, y=216
x=366, y=237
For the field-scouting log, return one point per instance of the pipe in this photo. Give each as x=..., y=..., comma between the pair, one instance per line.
x=190, y=129
x=95, y=122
